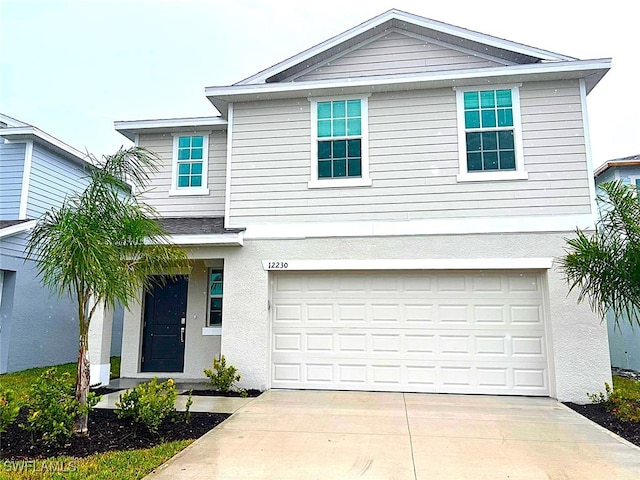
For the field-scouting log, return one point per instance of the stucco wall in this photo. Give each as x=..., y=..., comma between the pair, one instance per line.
x=579, y=340
x=200, y=350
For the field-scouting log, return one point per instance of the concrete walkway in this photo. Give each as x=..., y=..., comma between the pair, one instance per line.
x=343, y=435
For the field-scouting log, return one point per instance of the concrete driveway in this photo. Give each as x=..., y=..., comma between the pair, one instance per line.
x=342, y=435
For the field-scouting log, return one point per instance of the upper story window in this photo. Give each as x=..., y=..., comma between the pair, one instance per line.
x=339, y=142
x=489, y=134
x=190, y=164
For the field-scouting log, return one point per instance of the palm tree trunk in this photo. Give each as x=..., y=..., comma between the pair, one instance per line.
x=81, y=425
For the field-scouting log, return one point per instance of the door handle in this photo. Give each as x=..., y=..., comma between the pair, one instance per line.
x=181, y=334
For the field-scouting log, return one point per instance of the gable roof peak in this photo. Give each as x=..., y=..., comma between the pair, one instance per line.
x=501, y=48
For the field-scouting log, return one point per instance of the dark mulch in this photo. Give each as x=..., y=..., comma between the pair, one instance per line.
x=597, y=413
x=216, y=393
x=107, y=433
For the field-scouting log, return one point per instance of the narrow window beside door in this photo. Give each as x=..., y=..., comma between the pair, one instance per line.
x=215, y=298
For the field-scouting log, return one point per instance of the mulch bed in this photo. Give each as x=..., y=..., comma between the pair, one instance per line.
x=106, y=433
x=597, y=413
x=216, y=393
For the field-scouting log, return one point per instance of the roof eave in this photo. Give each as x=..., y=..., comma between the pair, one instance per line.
x=18, y=134
x=131, y=128
x=615, y=164
x=17, y=228
x=591, y=70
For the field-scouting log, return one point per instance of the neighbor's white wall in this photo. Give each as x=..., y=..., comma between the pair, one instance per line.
x=579, y=338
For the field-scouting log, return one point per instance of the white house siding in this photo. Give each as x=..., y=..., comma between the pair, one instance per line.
x=11, y=168
x=413, y=153
x=396, y=53
x=573, y=328
x=157, y=192
x=52, y=179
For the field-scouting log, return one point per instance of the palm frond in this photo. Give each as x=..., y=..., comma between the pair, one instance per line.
x=604, y=266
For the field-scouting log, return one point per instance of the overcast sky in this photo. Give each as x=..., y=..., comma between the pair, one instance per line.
x=72, y=68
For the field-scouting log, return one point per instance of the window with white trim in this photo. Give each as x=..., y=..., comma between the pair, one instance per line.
x=215, y=297
x=339, y=142
x=489, y=134
x=190, y=164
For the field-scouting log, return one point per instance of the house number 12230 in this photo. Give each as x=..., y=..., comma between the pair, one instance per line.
x=278, y=265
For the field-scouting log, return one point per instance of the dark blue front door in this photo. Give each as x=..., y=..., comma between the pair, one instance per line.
x=165, y=314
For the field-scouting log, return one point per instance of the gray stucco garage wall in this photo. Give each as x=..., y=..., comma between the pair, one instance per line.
x=579, y=349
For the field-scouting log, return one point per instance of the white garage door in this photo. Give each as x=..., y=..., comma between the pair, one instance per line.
x=458, y=332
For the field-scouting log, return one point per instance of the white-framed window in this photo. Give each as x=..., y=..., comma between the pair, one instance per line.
x=216, y=289
x=190, y=164
x=489, y=134
x=339, y=142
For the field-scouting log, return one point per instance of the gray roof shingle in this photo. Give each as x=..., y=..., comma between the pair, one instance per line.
x=11, y=223
x=196, y=226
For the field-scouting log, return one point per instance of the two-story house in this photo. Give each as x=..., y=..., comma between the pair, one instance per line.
x=624, y=338
x=37, y=172
x=380, y=212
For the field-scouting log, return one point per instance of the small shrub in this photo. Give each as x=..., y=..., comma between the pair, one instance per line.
x=602, y=398
x=149, y=403
x=187, y=408
x=222, y=377
x=622, y=401
x=53, y=407
x=9, y=408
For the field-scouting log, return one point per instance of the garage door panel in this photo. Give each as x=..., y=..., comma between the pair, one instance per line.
x=469, y=332
x=487, y=344
x=448, y=377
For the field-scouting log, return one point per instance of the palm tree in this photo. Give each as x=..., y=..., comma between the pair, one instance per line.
x=605, y=265
x=103, y=246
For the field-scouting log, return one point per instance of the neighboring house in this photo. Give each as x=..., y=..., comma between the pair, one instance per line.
x=624, y=342
x=380, y=212
x=37, y=171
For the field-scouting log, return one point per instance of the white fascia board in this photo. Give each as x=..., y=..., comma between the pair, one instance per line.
x=483, y=38
x=445, y=226
x=35, y=134
x=587, y=141
x=399, y=15
x=131, y=128
x=511, y=73
x=26, y=180
x=230, y=239
x=20, y=227
x=283, y=264
x=227, y=188
x=12, y=122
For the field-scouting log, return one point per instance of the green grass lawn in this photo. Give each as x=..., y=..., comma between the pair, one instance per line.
x=20, y=382
x=131, y=464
